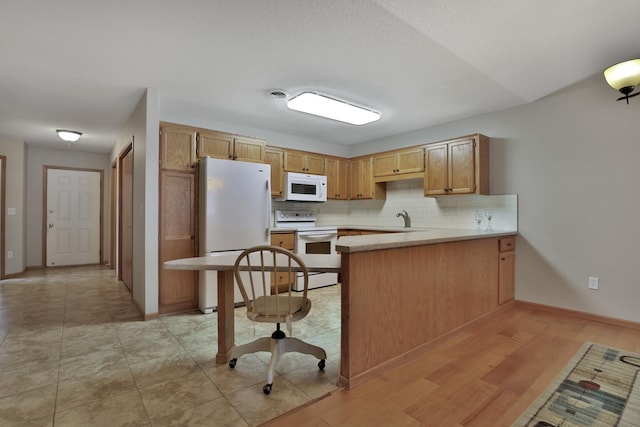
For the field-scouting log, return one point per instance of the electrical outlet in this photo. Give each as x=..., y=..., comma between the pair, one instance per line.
x=593, y=283
x=9, y=254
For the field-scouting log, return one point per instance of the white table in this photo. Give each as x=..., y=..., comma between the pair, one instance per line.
x=223, y=263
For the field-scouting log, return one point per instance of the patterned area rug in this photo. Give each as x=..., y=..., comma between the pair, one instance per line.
x=599, y=387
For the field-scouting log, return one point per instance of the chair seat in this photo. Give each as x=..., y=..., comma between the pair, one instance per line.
x=270, y=309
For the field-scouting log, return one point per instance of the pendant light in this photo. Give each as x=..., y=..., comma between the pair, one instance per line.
x=624, y=77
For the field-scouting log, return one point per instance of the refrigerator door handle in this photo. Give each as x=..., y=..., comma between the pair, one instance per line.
x=268, y=216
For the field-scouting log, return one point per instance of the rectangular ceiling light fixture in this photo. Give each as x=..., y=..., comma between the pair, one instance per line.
x=323, y=106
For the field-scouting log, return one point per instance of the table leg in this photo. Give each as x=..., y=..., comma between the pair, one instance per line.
x=226, y=332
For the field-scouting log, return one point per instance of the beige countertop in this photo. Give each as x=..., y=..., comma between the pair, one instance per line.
x=276, y=230
x=372, y=242
x=224, y=261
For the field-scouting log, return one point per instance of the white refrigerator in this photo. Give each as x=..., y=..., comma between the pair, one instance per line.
x=235, y=212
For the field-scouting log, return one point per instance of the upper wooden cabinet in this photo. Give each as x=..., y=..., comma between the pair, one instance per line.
x=275, y=158
x=177, y=148
x=459, y=166
x=362, y=182
x=303, y=162
x=396, y=164
x=337, y=171
x=220, y=145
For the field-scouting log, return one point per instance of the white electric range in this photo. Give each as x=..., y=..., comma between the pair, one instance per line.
x=310, y=239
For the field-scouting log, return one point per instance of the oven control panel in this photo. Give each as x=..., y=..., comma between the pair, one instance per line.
x=295, y=216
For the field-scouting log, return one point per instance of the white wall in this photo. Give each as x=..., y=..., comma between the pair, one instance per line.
x=64, y=157
x=15, y=225
x=572, y=158
x=142, y=127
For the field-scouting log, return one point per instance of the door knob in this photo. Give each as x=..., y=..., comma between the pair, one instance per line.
x=50, y=210
x=50, y=225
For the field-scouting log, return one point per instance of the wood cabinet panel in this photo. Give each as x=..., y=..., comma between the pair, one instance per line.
x=436, y=178
x=284, y=240
x=275, y=158
x=248, y=150
x=411, y=160
x=462, y=171
x=178, y=290
x=315, y=164
x=303, y=162
x=506, y=276
x=506, y=269
x=220, y=145
x=385, y=164
x=177, y=148
x=459, y=166
x=362, y=183
x=216, y=145
x=337, y=171
x=398, y=162
x=507, y=244
x=449, y=284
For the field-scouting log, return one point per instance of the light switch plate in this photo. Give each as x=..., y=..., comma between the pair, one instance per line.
x=593, y=283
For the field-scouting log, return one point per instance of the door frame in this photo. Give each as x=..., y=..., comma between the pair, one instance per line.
x=45, y=173
x=125, y=151
x=3, y=218
x=113, y=220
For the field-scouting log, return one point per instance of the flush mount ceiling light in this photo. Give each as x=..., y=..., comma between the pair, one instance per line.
x=330, y=108
x=624, y=77
x=69, y=135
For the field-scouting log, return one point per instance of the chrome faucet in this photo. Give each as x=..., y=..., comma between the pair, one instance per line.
x=405, y=216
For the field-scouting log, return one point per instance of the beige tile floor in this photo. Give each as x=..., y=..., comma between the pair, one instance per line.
x=74, y=351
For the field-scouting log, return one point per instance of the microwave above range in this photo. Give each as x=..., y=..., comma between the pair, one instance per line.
x=303, y=187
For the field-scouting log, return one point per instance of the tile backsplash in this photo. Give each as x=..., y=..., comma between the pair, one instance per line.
x=440, y=212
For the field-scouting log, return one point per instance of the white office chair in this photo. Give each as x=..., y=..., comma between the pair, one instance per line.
x=280, y=307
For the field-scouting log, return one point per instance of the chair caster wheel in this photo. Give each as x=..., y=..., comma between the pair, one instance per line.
x=267, y=388
x=321, y=364
x=232, y=363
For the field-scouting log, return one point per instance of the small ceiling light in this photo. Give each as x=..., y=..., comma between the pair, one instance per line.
x=69, y=135
x=624, y=77
x=323, y=106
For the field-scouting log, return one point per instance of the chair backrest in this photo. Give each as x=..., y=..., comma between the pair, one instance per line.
x=252, y=271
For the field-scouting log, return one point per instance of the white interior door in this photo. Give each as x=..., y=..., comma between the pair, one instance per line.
x=73, y=217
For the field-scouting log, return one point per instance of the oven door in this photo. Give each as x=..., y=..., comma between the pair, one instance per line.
x=321, y=242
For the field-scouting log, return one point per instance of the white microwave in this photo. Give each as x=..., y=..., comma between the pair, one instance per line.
x=303, y=187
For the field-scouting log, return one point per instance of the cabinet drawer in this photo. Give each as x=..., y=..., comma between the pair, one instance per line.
x=284, y=240
x=506, y=244
x=285, y=278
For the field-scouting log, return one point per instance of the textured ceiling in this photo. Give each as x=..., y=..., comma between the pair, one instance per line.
x=84, y=64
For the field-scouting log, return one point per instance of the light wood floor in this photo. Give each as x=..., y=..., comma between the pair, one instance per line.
x=485, y=374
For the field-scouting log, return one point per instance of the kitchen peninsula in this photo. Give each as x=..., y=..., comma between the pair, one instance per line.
x=402, y=290
x=399, y=292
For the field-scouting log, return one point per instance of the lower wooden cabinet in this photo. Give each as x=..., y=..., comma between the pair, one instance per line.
x=280, y=281
x=178, y=289
x=506, y=269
